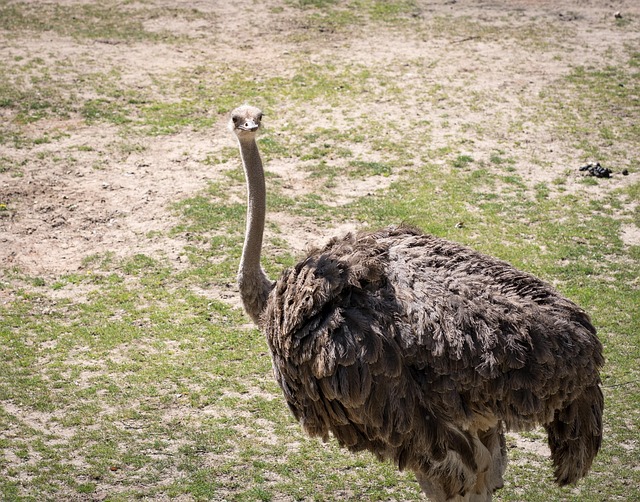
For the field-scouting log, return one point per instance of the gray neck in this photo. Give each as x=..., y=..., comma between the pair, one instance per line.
x=253, y=283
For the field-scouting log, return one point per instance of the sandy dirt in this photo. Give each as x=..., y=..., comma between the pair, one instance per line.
x=59, y=213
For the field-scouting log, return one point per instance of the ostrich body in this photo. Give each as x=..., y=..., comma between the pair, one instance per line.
x=423, y=351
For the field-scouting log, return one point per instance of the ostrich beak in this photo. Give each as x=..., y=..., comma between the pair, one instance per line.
x=249, y=125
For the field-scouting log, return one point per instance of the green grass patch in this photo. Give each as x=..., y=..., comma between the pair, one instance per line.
x=593, y=106
x=85, y=21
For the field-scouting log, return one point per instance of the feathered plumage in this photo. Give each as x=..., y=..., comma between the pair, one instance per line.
x=424, y=351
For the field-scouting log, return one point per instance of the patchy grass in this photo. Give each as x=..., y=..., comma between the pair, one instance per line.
x=589, y=96
x=90, y=21
x=132, y=378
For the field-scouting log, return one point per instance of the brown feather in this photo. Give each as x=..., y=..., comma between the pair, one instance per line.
x=410, y=340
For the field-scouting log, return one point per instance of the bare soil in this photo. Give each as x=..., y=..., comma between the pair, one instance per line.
x=61, y=212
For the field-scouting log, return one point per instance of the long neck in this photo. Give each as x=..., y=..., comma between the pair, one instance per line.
x=253, y=283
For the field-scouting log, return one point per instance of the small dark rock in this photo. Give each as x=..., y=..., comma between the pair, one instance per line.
x=625, y=172
x=596, y=170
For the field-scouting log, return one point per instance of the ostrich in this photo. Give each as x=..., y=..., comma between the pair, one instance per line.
x=421, y=350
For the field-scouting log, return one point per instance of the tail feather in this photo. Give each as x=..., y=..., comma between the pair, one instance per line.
x=575, y=436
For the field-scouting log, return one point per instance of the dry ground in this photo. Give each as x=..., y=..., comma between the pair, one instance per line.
x=74, y=185
x=69, y=203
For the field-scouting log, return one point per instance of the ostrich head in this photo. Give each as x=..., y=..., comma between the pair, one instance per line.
x=245, y=121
